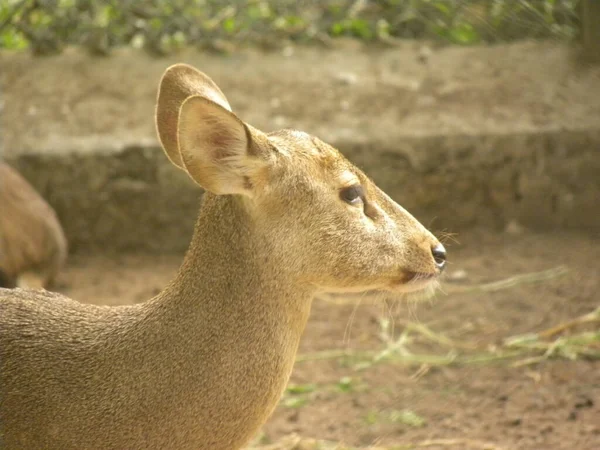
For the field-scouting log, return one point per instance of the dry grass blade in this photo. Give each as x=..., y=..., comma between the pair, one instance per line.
x=529, y=348
x=437, y=338
x=594, y=316
x=584, y=344
x=533, y=277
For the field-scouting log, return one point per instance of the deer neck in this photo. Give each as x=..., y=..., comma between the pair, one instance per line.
x=230, y=266
x=232, y=320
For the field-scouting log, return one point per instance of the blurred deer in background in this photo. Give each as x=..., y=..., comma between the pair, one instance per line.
x=33, y=247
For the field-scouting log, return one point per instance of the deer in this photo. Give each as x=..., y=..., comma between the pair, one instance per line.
x=33, y=246
x=202, y=365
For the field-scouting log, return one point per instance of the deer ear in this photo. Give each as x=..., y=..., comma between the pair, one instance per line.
x=179, y=82
x=217, y=149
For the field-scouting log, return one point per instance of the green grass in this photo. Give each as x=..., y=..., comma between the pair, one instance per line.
x=164, y=26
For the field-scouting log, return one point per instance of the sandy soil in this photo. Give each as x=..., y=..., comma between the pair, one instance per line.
x=552, y=405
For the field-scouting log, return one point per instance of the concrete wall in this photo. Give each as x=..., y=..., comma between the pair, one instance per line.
x=459, y=136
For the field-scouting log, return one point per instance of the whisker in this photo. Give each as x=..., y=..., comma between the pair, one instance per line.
x=445, y=236
x=348, y=329
x=390, y=316
x=412, y=307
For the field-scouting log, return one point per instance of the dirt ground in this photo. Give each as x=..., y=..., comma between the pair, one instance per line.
x=551, y=405
x=383, y=104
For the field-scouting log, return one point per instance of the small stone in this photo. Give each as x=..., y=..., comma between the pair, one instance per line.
x=348, y=78
x=584, y=403
x=513, y=227
x=275, y=102
x=426, y=100
x=294, y=415
x=458, y=275
x=424, y=54
x=279, y=121
x=287, y=51
x=515, y=422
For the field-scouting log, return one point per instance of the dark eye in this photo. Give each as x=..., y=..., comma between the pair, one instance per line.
x=352, y=194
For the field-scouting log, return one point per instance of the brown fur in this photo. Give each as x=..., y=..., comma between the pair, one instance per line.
x=33, y=247
x=203, y=364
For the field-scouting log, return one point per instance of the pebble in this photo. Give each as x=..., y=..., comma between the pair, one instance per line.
x=458, y=275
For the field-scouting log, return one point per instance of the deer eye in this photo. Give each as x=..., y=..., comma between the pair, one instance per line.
x=352, y=194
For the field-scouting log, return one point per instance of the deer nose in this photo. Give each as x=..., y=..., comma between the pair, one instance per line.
x=439, y=256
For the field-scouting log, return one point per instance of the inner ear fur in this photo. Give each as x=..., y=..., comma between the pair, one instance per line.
x=219, y=151
x=178, y=83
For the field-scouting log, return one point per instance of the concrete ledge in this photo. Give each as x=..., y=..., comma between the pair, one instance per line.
x=477, y=136
x=134, y=199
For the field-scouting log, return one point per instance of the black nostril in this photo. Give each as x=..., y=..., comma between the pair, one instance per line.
x=439, y=255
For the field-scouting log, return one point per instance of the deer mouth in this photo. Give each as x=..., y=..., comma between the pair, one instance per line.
x=415, y=277
x=411, y=281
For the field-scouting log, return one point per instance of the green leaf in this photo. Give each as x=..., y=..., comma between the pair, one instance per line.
x=345, y=384
x=443, y=8
x=229, y=25
x=13, y=41
x=300, y=388
x=337, y=29
x=464, y=34
x=371, y=417
x=295, y=402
